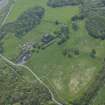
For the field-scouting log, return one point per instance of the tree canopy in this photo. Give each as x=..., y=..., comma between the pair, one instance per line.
x=96, y=26
x=60, y=3
x=28, y=20
x=15, y=88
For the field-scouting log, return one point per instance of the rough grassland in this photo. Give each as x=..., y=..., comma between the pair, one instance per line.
x=100, y=98
x=68, y=77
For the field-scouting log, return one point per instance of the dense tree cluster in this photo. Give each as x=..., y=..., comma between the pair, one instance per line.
x=92, y=8
x=16, y=90
x=61, y=3
x=24, y=23
x=63, y=34
x=71, y=52
x=95, y=26
x=94, y=12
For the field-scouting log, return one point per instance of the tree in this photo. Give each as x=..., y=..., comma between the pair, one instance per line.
x=57, y=22
x=76, y=51
x=75, y=26
x=1, y=48
x=65, y=52
x=93, y=53
x=75, y=18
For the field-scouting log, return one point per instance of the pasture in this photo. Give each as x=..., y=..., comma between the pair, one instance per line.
x=67, y=77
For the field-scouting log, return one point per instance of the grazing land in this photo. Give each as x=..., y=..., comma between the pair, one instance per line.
x=62, y=42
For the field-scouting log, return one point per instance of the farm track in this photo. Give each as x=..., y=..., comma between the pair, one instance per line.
x=24, y=66
x=11, y=8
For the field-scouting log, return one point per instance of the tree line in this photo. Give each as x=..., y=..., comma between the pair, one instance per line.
x=61, y=3
x=93, y=12
x=28, y=20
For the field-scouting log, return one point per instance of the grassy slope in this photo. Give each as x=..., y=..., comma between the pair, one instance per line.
x=69, y=77
x=100, y=98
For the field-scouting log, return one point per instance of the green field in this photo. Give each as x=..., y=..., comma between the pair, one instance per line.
x=67, y=77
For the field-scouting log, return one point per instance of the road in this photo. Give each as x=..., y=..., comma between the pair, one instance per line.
x=26, y=67
x=11, y=8
x=36, y=77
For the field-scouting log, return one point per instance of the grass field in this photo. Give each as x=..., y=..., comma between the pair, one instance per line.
x=68, y=77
